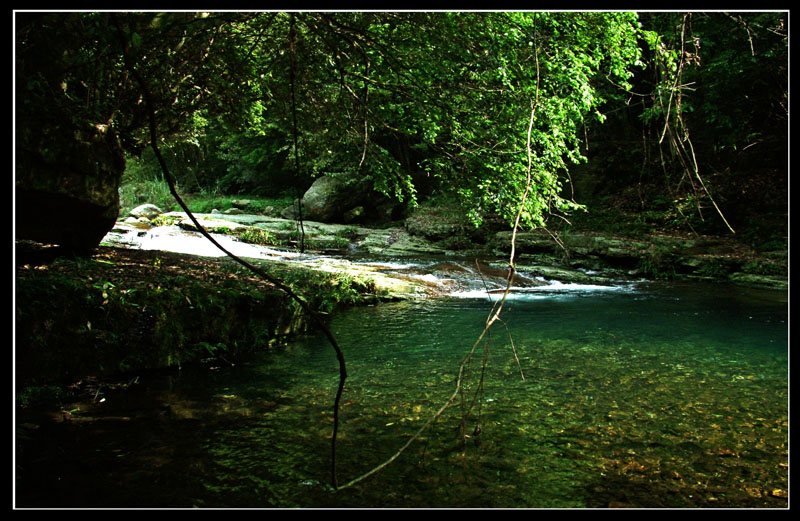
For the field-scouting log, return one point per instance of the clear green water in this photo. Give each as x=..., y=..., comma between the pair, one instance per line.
x=657, y=396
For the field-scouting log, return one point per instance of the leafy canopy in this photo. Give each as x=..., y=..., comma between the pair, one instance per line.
x=403, y=100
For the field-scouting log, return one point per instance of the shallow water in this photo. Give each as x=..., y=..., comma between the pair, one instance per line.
x=645, y=395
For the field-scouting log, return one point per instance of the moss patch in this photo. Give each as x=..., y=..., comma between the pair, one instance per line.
x=124, y=310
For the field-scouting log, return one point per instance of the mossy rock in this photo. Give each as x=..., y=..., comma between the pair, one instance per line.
x=760, y=281
x=67, y=329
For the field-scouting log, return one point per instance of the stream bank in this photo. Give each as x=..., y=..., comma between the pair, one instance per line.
x=123, y=310
x=128, y=309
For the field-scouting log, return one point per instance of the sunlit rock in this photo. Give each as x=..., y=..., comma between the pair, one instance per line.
x=148, y=211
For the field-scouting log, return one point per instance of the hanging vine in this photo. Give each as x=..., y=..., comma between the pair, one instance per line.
x=148, y=100
x=292, y=80
x=667, y=100
x=493, y=317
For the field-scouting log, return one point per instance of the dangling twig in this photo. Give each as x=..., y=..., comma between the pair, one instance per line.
x=266, y=276
x=292, y=70
x=366, y=121
x=494, y=314
x=510, y=337
x=676, y=142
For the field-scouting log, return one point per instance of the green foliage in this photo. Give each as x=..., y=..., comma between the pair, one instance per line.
x=349, y=233
x=453, y=90
x=657, y=265
x=743, y=73
x=252, y=167
x=164, y=220
x=467, y=82
x=37, y=395
x=334, y=243
x=717, y=90
x=205, y=202
x=75, y=318
x=714, y=268
x=328, y=291
x=203, y=349
x=257, y=236
x=154, y=191
x=414, y=102
x=765, y=268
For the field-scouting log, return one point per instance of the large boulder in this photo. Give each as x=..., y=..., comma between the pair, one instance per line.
x=67, y=182
x=337, y=199
x=330, y=197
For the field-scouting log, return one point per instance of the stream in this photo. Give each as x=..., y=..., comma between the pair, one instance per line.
x=407, y=276
x=616, y=394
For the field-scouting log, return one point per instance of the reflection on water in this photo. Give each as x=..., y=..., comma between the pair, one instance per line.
x=647, y=396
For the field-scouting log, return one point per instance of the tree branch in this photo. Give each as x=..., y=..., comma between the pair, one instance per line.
x=266, y=276
x=494, y=314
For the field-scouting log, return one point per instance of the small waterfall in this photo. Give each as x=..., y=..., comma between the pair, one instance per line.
x=465, y=279
x=461, y=278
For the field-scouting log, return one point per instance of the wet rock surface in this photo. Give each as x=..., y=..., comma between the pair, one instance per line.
x=571, y=255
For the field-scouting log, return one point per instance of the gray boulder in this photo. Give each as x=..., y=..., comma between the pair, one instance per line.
x=147, y=211
x=433, y=223
x=270, y=211
x=246, y=205
x=329, y=198
x=290, y=212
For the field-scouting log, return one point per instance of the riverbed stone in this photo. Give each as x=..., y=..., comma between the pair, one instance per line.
x=291, y=212
x=433, y=224
x=209, y=223
x=148, y=211
x=760, y=281
x=242, y=204
x=624, y=257
x=270, y=211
